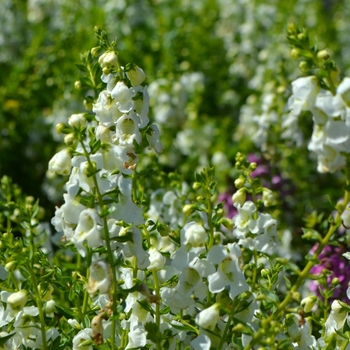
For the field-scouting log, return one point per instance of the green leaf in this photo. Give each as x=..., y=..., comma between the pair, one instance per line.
x=288, y=283
x=82, y=67
x=65, y=311
x=145, y=305
x=4, y=339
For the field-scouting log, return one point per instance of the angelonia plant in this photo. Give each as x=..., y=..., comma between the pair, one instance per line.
x=162, y=267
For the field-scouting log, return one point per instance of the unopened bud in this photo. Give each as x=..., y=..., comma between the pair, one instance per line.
x=308, y=303
x=295, y=53
x=18, y=300
x=304, y=66
x=189, y=209
x=239, y=197
x=69, y=139
x=95, y=51
x=253, y=166
x=335, y=281
x=196, y=186
x=59, y=128
x=268, y=197
x=301, y=36
x=78, y=85
x=323, y=55
x=239, y=182
x=265, y=273
x=296, y=296
x=10, y=266
x=88, y=105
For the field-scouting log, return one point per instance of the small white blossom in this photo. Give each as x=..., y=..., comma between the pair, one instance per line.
x=195, y=235
x=87, y=230
x=123, y=97
x=209, y=317
x=61, y=163
x=136, y=75
x=100, y=278
x=82, y=336
x=157, y=260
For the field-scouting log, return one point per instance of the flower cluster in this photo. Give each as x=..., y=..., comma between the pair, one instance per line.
x=331, y=133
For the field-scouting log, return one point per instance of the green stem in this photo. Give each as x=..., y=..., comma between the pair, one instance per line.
x=156, y=288
x=86, y=295
x=210, y=222
x=36, y=290
x=39, y=305
x=227, y=327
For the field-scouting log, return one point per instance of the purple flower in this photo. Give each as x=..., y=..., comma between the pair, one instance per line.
x=331, y=258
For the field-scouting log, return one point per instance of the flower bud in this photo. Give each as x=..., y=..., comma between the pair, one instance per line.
x=323, y=55
x=95, y=51
x=308, y=303
x=196, y=186
x=268, y=197
x=59, y=128
x=17, y=300
x=109, y=60
x=136, y=76
x=208, y=318
x=157, y=260
x=304, y=66
x=195, y=235
x=77, y=120
x=301, y=36
x=10, y=266
x=61, y=163
x=265, y=273
x=50, y=307
x=253, y=166
x=78, y=85
x=227, y=223
x=335, y=281
x=239, y=183
x=88, y=105
x=100, y=278
x=69, y=139
x=295, y=53
x=239, y=197
x=189, y=209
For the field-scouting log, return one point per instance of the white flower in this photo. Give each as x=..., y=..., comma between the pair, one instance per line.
x=123, y=97
x=209, y=317
x=268, y=197
x=61, y=163
x=157, y=260
x=81, y=337
x=239, y=197
x=228, y=272
x=16, y=301
x=336, y=318
x=136, y=75
x=244, y=221
x=304, y=91
x=127, y=130
x=137, y=338
x=87, y=230
x=100, y=278
x=344, y=90
x=154, y=140
x=194, y=234
x=109, y=59
x=77, y=120
x=202, y=342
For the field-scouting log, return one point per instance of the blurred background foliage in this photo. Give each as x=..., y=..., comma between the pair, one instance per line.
x=211, y=66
